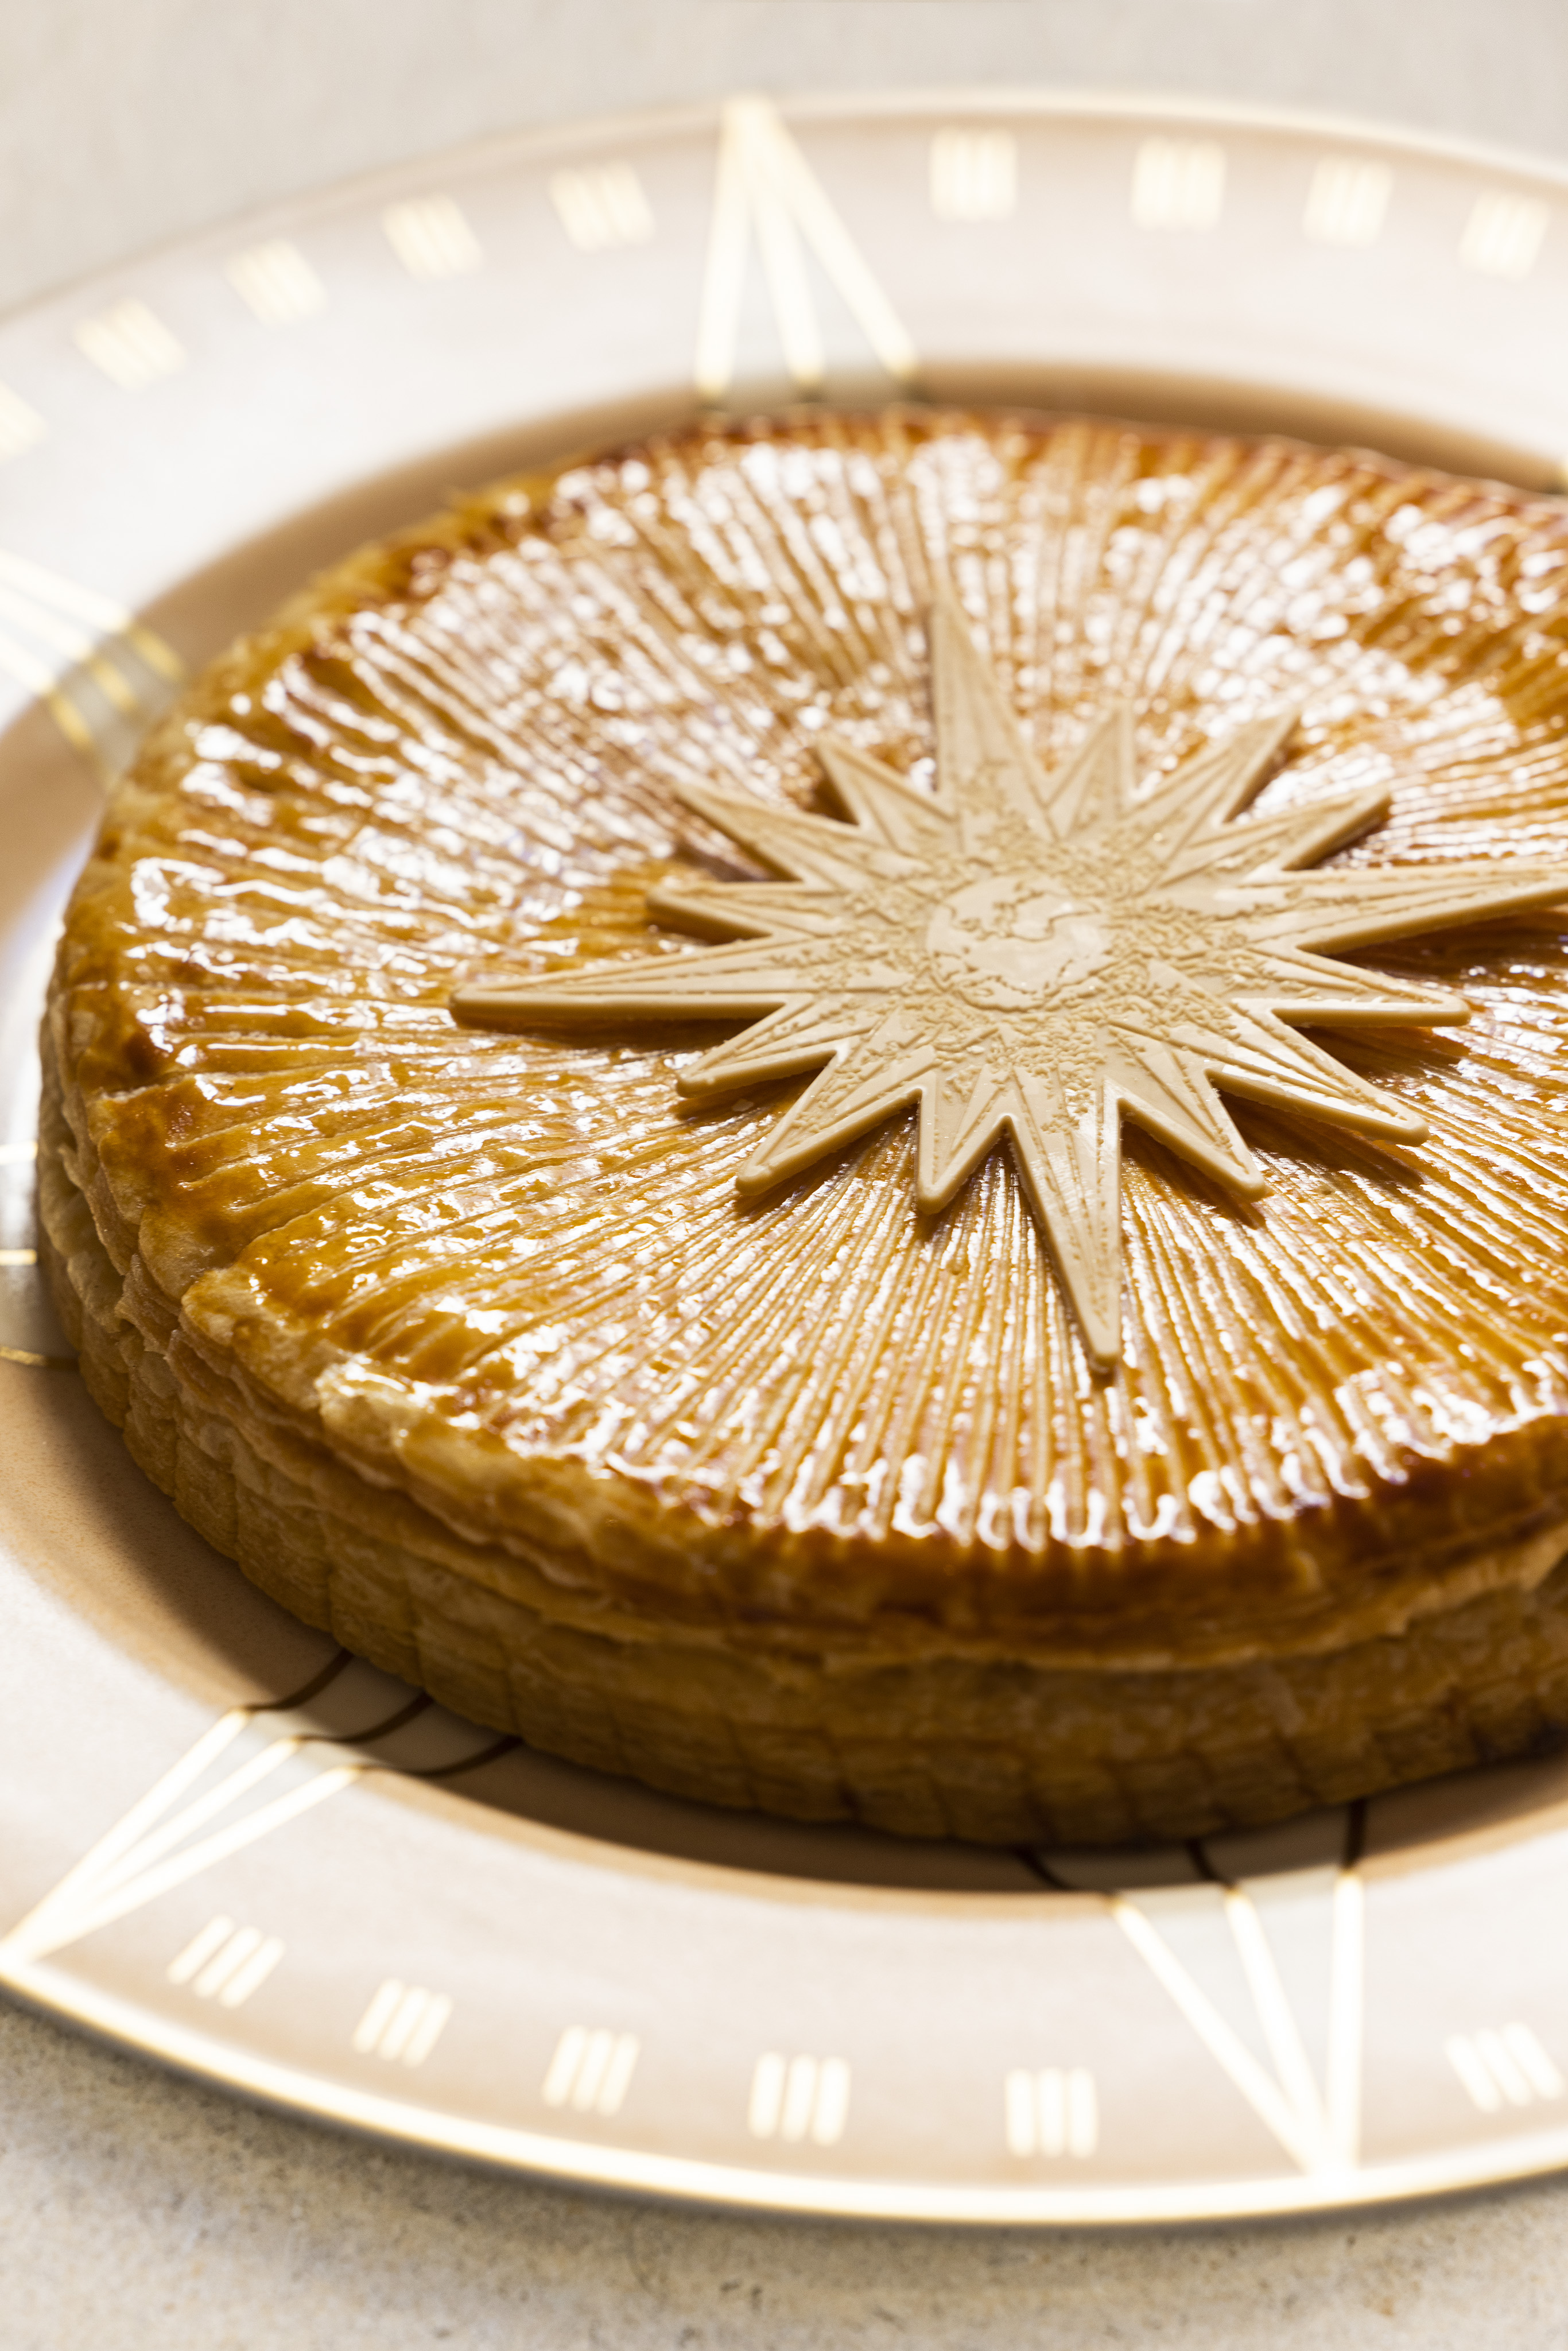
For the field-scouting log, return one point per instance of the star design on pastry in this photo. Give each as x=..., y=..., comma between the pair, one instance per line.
x=1039, y=956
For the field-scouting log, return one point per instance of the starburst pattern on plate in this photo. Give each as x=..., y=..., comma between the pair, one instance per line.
x=1036, y=954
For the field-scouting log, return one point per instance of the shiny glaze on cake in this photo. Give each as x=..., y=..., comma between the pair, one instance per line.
x=509, y=1277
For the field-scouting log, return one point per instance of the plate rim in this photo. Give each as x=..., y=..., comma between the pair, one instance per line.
x=680, y=116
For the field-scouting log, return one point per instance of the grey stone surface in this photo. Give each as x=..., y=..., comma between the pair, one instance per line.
x=140, y=2211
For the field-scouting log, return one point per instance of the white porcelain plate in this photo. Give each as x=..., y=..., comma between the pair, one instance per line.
x=232, y=1848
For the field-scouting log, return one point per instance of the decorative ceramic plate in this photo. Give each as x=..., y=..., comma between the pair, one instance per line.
x=227, y=1844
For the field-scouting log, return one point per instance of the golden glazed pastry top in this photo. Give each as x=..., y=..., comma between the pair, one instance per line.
x=1039, y=957
x=510, y=1273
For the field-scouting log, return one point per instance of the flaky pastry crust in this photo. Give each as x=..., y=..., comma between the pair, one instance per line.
x=463, y=1342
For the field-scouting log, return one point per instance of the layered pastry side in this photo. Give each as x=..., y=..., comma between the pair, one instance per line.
x=867, y=1115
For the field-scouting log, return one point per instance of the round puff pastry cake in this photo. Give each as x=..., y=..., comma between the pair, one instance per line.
x=865, y=1115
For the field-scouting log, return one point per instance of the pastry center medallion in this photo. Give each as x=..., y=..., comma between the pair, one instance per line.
x=1033, y=956
x=1007, y=943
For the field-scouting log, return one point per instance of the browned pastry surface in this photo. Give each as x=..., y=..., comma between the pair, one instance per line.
x=463, y=1342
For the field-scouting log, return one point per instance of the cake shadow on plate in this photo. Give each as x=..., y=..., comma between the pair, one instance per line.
x=191, y=1614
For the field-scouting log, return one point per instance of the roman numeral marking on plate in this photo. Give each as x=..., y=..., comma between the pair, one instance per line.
x=20, y=424
x=1347, y=201
x=1319, y=2129
x=179, y=1829
x=795, y=2098
x=256, y=1771
x=1178, y=183
x=590, y=2071
x=766, y=188
x=31, y=1360
x=130, y=345
x=403, y=2023
x=602, y=206
x=1503, y=235
x=225, y=1962
x=1503, y=2068
x=974, y=175
x=276, y=283
x=99, y=670
x=1053, y=2112
x=431, y=237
